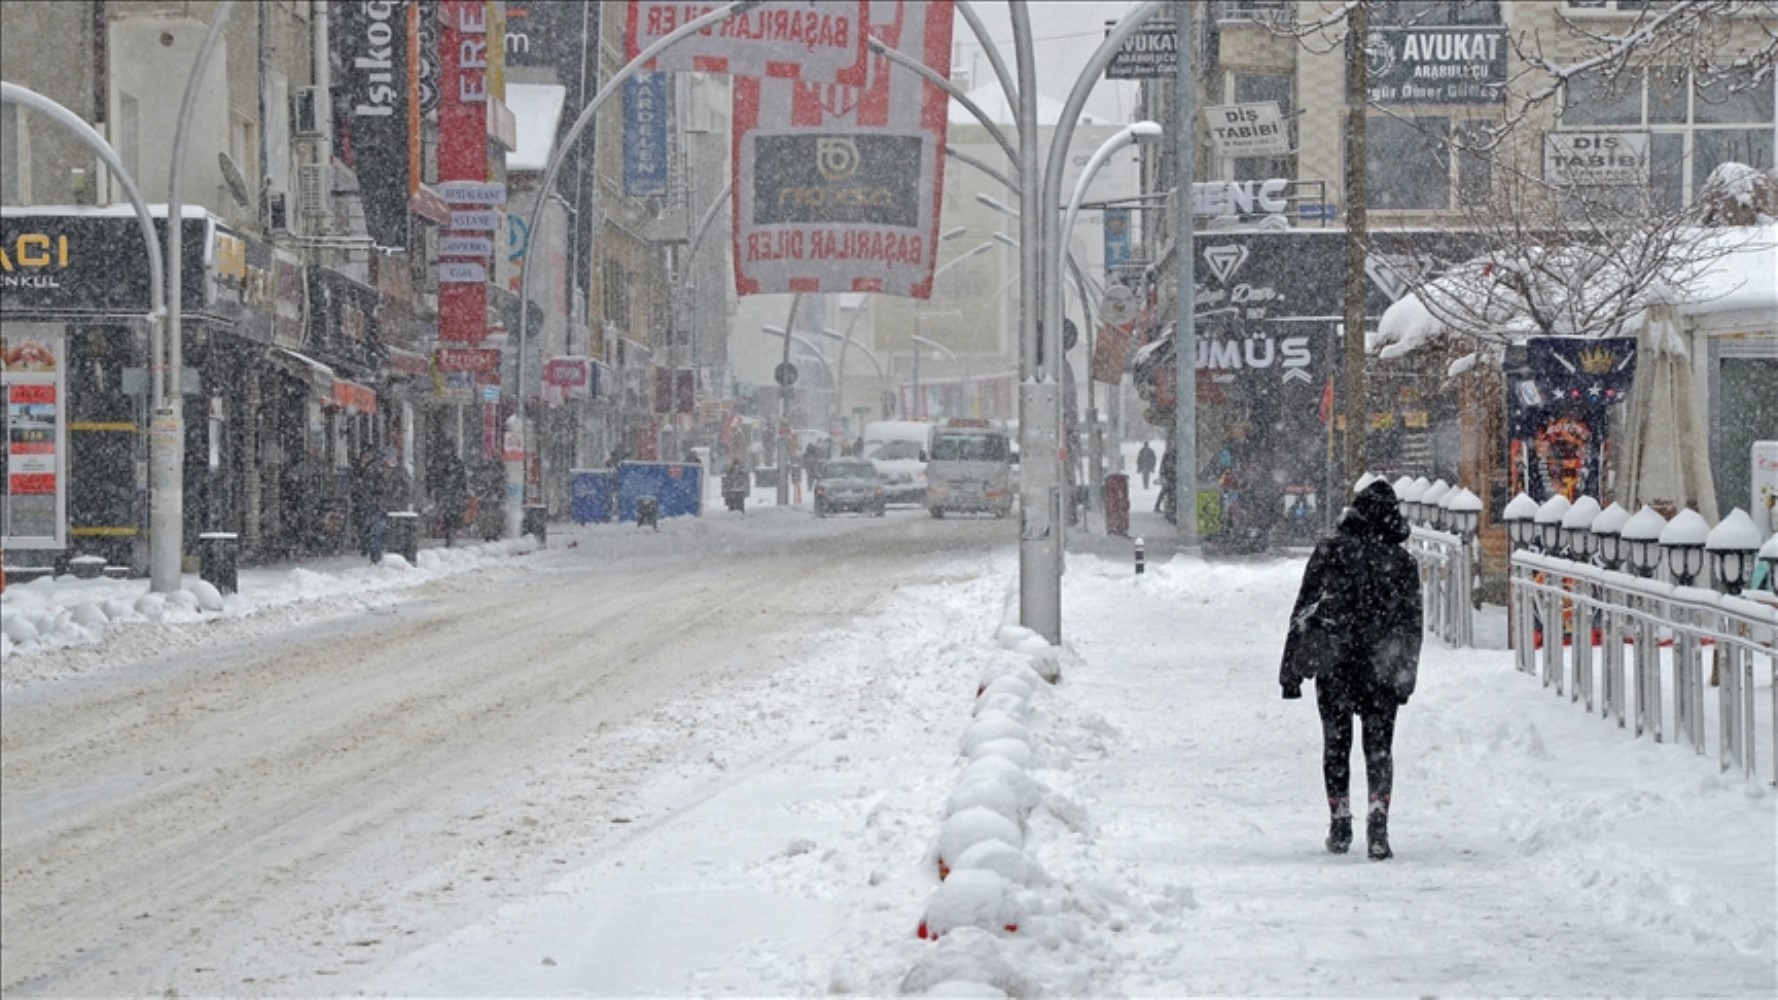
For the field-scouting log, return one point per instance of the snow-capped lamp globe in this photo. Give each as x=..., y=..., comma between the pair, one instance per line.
x=1518, y=515
x=1463, y=513
x=1364, y=479
x=1411, y=496
x=1642, y=534
x=1768, y=556
x=1577, y=524
x=1732, y=544
x=1401, y=493
x=1608, y=535
x=1429, y=510
x=1683, y=542
x=1549, y=523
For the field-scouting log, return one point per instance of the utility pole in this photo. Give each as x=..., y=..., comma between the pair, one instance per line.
x=1185, y=295
x=1351, y=381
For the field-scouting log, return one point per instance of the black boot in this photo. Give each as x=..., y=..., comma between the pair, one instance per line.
x=1376, y=829
x=1339, y=831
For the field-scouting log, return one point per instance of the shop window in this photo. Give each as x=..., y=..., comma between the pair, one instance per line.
x=1407, y=163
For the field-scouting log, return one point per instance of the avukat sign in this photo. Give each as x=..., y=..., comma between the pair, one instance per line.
x=818, y=42
x=837, y=188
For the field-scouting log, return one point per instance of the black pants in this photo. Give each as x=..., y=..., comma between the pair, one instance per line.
x=1376, y=714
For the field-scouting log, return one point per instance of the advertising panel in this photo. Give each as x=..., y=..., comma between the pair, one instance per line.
x=837, y=188
x=1117, y=237
x=781, y=39
x=645, y=135
x=1558, y=424
x=1613, y=159
x=34, y=500
x=1152, y=53
x=463, y=156
x=1437, y=65
x=371, y=83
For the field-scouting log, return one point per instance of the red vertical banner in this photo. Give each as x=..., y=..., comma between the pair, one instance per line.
x=463, y=156
x=837, y=188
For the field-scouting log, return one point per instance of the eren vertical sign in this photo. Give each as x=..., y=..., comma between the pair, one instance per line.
x=462, y=156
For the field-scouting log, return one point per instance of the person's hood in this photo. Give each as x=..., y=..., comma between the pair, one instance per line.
x=1375, y=515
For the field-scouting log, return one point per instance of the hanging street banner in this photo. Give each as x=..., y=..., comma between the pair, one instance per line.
x=1152, y=53
x=464, y=65
x=645, y=135
x=780, y=39
x=371, y=98
x=837, y=188
x=1437, y=65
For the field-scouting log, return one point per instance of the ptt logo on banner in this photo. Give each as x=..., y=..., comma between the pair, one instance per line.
x=836, y=157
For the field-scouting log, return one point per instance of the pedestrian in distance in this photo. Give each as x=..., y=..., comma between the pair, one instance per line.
x=1165, y=503
x=1145, y=463
x=1356, y=630
x=452, y=495
x=361, y=496
x=387, y=488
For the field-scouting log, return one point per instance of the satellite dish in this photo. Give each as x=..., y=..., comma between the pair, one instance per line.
x=231, y=175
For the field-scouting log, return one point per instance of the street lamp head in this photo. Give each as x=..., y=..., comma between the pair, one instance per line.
x=1549, y=521
x=1731, y=545
x=996, y=204
x=1576, y=525
x=1608, y=535
x=951, y=234
x=1683, y=539
x=1642, y=533
x=1146, y=131
x=1518, y=516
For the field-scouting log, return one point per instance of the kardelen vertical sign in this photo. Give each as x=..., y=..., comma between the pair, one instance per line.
x=782, y=39
x=371, y=93
x=837, y=188
x=645, y=135
x=463, y=165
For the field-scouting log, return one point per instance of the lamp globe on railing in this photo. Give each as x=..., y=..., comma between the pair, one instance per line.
x=1577, y=537
x=1642, y=534
x=1416, y=490
x=1608, y=535
x=1549, y=523
x=1683, y=542
x=1768, y=557
x=1364, y=479
x=1401, y=487
x=1519, y=515
x=1732, y=544
x=1429, y=509
x=1463, y=513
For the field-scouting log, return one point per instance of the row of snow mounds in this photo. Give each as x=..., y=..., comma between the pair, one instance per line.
x=989, y=886
x=52, y=626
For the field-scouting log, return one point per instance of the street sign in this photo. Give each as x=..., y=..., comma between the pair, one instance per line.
x=1152, y=53
x=1255, y=129
x=1119, y=305
x=785, y=374
x=486, y=193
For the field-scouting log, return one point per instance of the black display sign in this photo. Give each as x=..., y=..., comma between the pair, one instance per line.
x=1151, y=53
x=370, y=106
x=1437, y=65
x=90, y=264
x=857, y=177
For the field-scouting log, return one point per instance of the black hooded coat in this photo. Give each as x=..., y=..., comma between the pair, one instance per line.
x=1362, y=591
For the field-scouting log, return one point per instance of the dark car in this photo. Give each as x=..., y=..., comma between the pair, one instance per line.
x=849, y=484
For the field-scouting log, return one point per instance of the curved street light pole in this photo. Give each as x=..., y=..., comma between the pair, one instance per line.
x=515, y=498
x=160, y=510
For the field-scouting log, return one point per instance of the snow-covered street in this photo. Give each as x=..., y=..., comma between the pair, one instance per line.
x=622, y=766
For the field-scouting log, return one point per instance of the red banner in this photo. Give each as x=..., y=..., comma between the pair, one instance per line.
x=462, y=150
x=838, y=188
x=787, y=39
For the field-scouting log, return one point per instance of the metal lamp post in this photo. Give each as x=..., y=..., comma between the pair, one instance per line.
x=1642, y=534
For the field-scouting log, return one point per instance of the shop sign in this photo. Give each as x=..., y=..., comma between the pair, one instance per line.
x=475, y=221
x=466, y=246
x=32, y=386
x=1601, y=159
x=1255, y=129
x=1437, y=65
x=473, y=192
x=92, y=264
x=1117, y=237
x=1151, y=53
x=465, y=67
x=645, y=135
x=1240, y=197
x=452, y=272
x=371, y=92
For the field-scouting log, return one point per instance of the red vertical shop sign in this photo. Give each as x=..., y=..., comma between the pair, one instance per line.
x=462, y=156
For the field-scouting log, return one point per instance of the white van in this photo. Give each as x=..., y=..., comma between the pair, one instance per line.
x=970, y=468
x=899, y=449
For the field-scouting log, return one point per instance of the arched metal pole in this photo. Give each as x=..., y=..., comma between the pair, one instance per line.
x=166, y=539
x=515, y=505
x=157, y=286
x=980, y=30
x=1040, y=588
x=926, y=73
x=691, y=254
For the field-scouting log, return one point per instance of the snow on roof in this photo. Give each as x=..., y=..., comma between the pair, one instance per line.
x=122, y=209
x=537, y=109
x=992, y=100
x=1742, y=277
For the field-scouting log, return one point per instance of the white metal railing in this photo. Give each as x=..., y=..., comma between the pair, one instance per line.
x=1447, y=584
x=1648, y=615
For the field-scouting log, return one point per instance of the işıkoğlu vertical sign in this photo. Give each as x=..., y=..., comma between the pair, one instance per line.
x=370, y=94
x=837, y=188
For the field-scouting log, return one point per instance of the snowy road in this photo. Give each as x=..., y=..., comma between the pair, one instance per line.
x=265, y=814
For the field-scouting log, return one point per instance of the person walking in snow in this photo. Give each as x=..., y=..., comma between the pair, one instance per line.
x=1356, y=630
x=1145, y=463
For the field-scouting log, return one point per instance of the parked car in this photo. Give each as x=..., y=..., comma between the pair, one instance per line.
x=850, y=484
